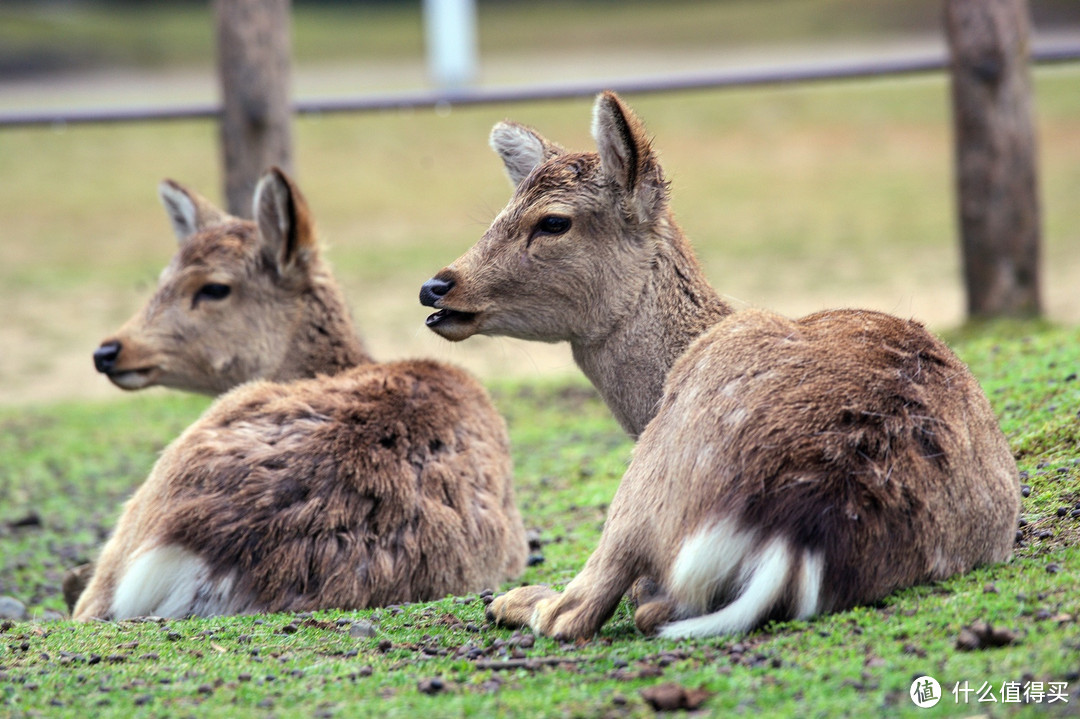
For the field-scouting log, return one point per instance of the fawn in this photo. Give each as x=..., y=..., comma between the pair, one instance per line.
x=225, y=313
x=784, y=468
x=378, y=484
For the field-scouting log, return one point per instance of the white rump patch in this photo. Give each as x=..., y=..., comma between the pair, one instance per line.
x=708, y=560
x=813, y=567
x=722, y=560
x=170, y=581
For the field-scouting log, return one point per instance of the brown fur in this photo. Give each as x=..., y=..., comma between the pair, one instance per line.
x=787, y=467
x=378, y=484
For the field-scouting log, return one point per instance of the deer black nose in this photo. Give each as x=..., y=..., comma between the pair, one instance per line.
x=106, y=355
x=433, y=290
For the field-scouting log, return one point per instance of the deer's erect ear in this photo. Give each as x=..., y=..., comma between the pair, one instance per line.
x=284, y=221
x=189, y=212
x=626, y=155
x=521, y=149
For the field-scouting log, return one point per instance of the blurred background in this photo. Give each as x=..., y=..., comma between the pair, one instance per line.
x=797, y=197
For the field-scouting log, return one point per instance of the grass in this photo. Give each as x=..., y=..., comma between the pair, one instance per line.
x=71, y=464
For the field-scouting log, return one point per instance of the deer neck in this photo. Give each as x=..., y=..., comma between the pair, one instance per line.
x=325, y=340
x=629, y=365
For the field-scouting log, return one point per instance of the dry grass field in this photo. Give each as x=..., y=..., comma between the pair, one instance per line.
x=797, y=198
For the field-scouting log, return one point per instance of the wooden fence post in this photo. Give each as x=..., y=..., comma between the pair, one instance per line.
x=997, y=189
x=253, y=67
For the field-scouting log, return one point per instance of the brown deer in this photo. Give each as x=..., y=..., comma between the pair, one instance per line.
x=784, y=468
x=226, y=312
x=379, y=484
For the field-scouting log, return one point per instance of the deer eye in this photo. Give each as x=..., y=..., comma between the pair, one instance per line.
x=211, y=291
x=553, y=225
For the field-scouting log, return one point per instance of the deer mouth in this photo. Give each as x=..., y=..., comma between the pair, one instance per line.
x=451, y=324
x=133, y=379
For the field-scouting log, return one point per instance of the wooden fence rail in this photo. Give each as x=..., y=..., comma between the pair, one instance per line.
x=806, y=72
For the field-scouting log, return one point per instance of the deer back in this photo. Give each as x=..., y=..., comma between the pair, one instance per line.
x=382, y=484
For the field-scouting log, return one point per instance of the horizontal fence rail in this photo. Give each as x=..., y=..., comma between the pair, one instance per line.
x=806, y=72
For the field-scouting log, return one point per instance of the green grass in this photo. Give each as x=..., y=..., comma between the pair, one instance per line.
x=72, y=464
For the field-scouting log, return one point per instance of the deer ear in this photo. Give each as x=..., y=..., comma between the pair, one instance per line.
x=285, y=225
x=189, y=212
x=626, y=155
x=521, y=149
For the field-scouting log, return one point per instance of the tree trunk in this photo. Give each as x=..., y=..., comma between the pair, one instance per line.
x=253, y=65
x=997, y=189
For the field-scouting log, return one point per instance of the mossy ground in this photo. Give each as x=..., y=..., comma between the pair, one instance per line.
x=67, y=467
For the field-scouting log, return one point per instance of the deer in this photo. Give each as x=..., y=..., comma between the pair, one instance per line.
x=375, y=484
x=783, y=468
x=219, y=288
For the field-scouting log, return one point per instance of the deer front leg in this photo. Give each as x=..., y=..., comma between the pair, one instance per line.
x=515, y=608
x=586, y=603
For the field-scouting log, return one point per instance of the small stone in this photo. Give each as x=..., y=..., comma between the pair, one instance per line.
x=1025, y=490
x=385, y=645
x=1062, y=511
x=967, y=641
x=535, y=559
x=981, y=635
x=361, y=630
x=670, y=696
x=1053, y=568
x=431, y=686
x=30, y=519
x=12, y=608
x=1001, y=637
